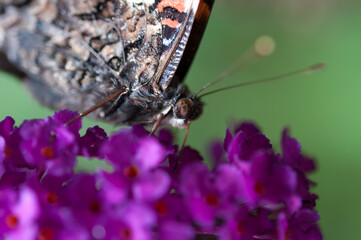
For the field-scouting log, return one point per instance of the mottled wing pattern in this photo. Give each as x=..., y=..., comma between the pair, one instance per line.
x=77, y=52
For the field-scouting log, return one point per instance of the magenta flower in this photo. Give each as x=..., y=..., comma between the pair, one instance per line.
x=175, y=230
x=130, y=222
x=301, y=165
x=301, y=225
x=135, y=161
x=10, y=155
x=247, y=141
x=266, y=182
x=48, y=146
x=90, y=143
x=249, y=193
x=62, y=117
x=246, y=225
x=60, y=224
x=19, y=211
x=292, y=154
x=210, y=196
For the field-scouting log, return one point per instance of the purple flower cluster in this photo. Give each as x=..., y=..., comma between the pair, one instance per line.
x=249, y=193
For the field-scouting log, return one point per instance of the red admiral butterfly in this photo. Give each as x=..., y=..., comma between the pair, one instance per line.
x=133, y=53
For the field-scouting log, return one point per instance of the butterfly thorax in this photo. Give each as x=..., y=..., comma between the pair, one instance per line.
x=176, y=106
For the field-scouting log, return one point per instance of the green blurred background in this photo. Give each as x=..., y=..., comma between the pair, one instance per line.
x=322, y=110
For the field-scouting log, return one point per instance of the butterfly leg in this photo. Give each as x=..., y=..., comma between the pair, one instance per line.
x=157, y=123
x=156, y=120
x=117, y=95
x=114, y=105
x=183, y=145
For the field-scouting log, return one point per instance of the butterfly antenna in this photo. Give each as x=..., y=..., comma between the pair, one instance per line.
x=111, y=97
x=262, y=47
x=309, y=70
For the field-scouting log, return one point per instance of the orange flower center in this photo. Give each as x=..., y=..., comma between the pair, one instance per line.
x=7, y=151
x=125, y=233
x=240, y=227
x=11, y=221
x=288, y=234
x=161, y=207
x=211, y=200
x=259, y=188
x=46, y=234
x=94, y=207
x=51, y=198
x=47, y=152
x=131, y=172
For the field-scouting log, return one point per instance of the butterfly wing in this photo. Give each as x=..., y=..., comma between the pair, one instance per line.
x=76, y=53
x=183, y=24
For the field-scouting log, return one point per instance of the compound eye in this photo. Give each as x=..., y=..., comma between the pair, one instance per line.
x=183, y=108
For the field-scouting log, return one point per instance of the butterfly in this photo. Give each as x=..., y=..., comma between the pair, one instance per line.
x=122, y=61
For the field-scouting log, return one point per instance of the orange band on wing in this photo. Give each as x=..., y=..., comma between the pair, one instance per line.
x=171, y=23
x=177, y=4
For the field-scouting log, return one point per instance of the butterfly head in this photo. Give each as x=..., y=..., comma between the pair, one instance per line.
x=187, y=109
